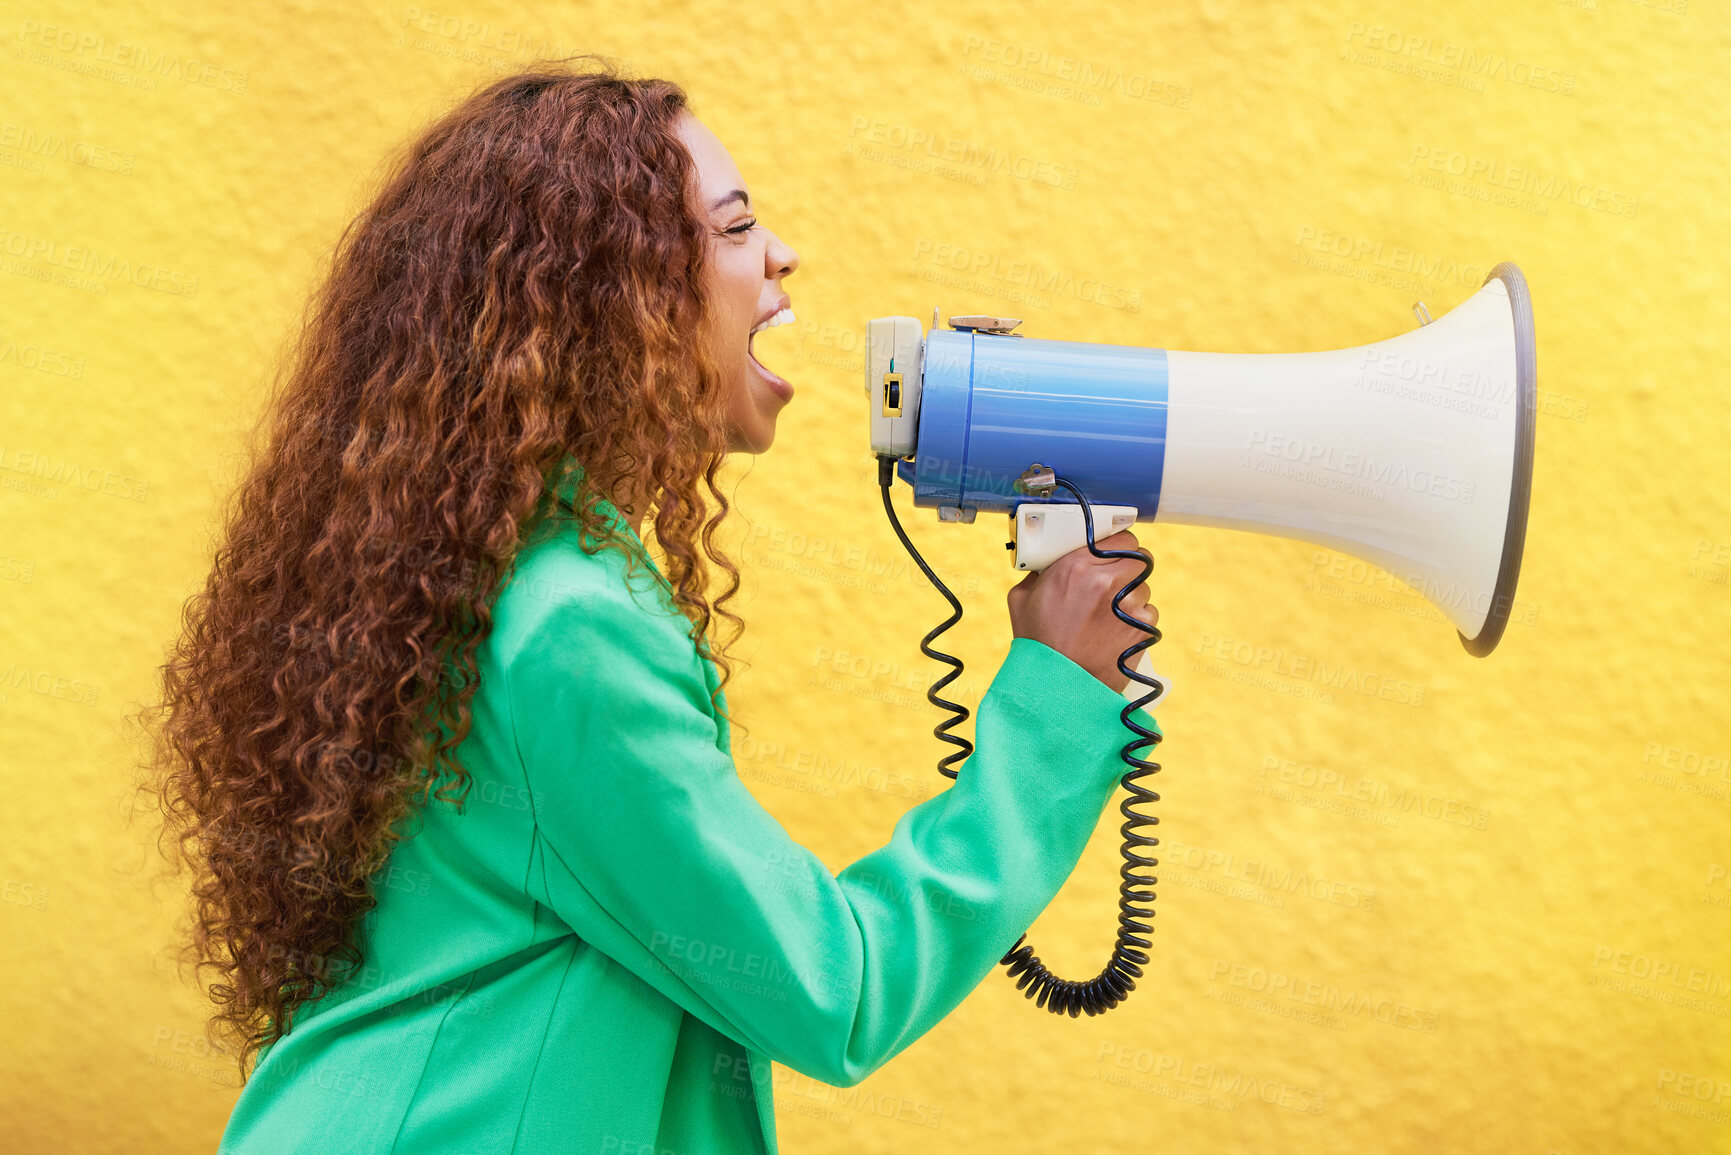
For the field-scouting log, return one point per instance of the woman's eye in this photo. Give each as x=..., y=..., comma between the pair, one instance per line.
x=743, y=228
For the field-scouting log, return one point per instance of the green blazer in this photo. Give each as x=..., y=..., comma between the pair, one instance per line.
x=603, y=949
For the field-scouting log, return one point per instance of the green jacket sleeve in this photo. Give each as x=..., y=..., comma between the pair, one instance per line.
x=650, y=848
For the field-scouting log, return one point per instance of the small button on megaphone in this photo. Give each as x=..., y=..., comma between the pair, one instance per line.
x=1414, y=453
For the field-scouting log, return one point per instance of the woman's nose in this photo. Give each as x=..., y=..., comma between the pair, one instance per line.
x=780, y=258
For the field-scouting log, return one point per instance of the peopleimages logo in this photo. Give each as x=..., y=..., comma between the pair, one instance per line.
x=1395, y=258
x=1226, y=1087
x=937, y=145
x=1408, y=52
x=58, y=146
x=1331, y=998
x=1025, y=275
x=104, y=267
x=40, y=359
x=48, y=683
x=1663, y=972
x=1373, y=471
x=1304, y=670
x=1374, y=792
x=1270, y=876
x=1548, y=186
x=1087, y=77
x=83, y=50
x=1463, y=379
x=43, y=471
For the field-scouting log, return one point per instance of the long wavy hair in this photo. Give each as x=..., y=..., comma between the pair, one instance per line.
x=523, y=295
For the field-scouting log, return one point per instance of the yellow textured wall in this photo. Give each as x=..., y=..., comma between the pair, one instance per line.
x=1527, y=951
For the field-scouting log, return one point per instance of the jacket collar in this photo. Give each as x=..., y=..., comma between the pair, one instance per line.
x=565, y=493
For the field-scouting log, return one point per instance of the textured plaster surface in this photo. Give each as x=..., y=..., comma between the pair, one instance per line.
x=1434, y=903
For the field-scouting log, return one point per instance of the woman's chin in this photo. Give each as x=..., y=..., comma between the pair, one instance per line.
x=765, y=439
x=755, y=439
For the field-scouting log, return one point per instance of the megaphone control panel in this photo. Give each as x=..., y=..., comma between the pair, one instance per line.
x=894, y=352
x=895, y=373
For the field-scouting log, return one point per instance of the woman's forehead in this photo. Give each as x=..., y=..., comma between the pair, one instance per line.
x=717, y=175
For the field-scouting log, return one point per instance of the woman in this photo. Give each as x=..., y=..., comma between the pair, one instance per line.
x=448, y=750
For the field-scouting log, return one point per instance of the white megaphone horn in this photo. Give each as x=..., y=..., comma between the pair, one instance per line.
x=1414, y=453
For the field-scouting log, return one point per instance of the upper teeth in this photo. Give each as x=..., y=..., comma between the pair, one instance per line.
x=782, y=317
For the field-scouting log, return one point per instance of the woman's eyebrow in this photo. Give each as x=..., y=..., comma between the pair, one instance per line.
x=738, y=194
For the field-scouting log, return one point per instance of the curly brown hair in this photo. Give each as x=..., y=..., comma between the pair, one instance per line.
x=521, y=300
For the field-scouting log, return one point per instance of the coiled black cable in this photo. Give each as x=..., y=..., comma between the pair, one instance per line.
x=1118, y=978
x=886, y=474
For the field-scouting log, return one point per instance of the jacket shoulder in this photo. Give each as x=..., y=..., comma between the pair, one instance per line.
x=554, y=576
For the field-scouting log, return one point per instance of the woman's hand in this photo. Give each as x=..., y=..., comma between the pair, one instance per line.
x=1068, y=606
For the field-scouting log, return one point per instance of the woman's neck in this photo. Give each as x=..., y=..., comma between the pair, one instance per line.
x=633, y=507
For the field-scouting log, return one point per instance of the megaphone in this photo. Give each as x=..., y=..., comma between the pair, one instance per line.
x=1414, y=453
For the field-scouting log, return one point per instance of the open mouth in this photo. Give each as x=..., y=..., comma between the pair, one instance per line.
x=782, y=317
